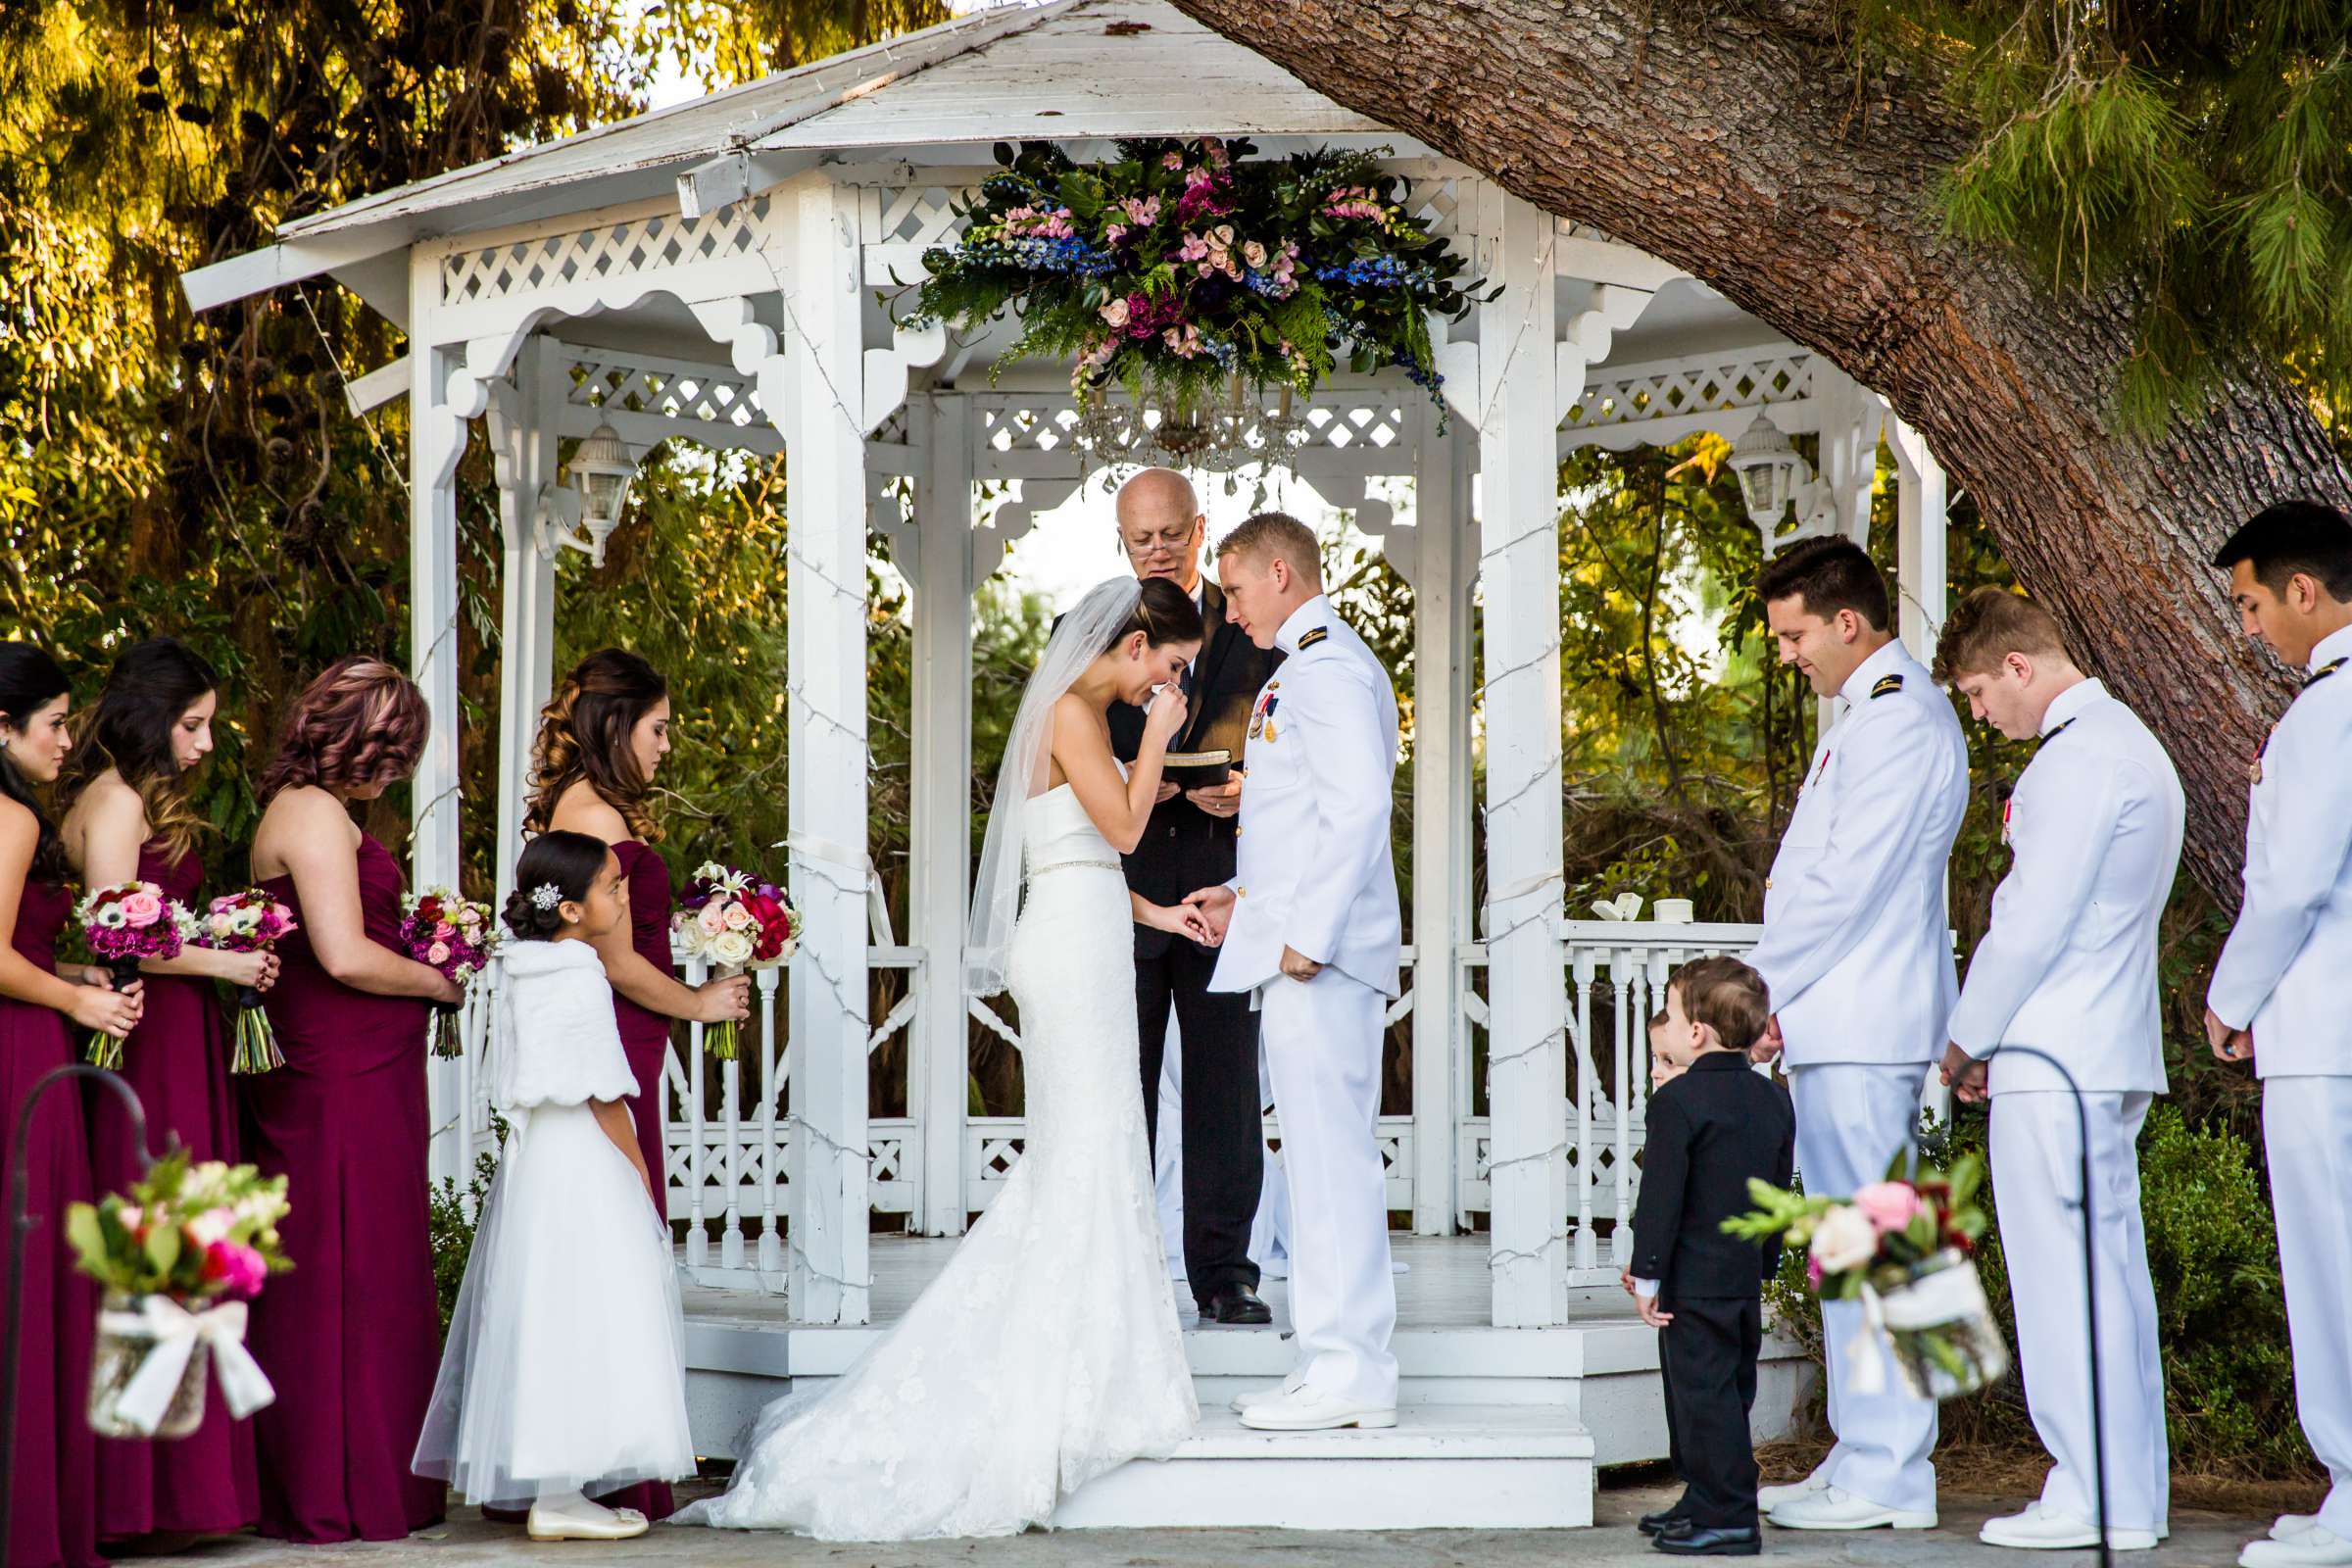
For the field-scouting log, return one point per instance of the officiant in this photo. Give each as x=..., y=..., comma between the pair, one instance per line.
x=1189, y=845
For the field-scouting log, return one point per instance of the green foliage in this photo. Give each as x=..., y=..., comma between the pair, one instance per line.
x=175, y=1229
x=2201, y=155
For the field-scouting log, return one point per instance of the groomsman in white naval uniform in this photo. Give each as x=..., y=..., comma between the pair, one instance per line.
x=2069, y=967
x=1310, y=926
x=1860, y=971
x=2279, y=993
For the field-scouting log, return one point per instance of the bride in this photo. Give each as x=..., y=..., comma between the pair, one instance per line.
x=1046, y=1352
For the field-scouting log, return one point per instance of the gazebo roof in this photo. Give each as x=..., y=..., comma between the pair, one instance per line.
x=1069, y=70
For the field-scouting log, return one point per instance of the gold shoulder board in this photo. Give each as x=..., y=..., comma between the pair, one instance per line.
x=1885, y=684
x=1313, y=637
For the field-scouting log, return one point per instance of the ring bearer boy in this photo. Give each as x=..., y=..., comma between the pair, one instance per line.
x=2069, y=967
x=1713, y=1127
x=2278, y=993
x=1857, y=959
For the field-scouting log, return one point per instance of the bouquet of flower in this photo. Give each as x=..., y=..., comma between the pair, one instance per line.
x=183, y=1238
x=125, y=926
x=736, y=922
x=1902, y=1246
x=1182, y=266
x=251, y=921
x=454, y=935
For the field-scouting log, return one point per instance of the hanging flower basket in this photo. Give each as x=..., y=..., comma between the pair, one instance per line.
x=1903, y=1248
x=1182, y=268
x=178, y=1256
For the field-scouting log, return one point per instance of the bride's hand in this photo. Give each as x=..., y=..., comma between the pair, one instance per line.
x=1165, y=717
x=1182, y=919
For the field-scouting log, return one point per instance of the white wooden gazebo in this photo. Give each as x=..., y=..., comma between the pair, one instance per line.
x=709, y=272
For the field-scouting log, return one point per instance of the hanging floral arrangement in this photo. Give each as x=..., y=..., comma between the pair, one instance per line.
x=1183, y=268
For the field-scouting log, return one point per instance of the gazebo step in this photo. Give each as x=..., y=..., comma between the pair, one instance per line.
x=1439, y=1467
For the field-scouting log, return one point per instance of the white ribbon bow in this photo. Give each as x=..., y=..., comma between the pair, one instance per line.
x=176, y=1332
x=1867, y=1351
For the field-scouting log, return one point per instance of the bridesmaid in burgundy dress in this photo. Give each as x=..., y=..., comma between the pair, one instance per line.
x=129, y=819
x=598, y=744
x=53, y=1504
x=352, y=1336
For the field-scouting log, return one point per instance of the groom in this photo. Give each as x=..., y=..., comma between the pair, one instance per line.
x=1309, y=928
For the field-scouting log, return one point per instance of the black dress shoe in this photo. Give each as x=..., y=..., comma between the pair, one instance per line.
x=1686, y=1539
x=1657, y=1523
x=1237, y=1303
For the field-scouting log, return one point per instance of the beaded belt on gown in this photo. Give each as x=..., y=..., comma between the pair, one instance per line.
x=1074, y=865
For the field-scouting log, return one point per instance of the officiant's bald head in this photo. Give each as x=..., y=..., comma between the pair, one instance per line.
x=1162, y=527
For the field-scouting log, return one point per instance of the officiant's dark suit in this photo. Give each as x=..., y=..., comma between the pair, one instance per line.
x=1182, y=850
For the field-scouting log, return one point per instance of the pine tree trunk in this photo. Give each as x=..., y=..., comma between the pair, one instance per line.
x=1745, y=146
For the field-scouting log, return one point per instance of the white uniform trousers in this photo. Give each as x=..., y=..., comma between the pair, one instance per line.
x=1851, y=1119
x=2037, y=1186
x=1322, y=1041
x=2306, y=1138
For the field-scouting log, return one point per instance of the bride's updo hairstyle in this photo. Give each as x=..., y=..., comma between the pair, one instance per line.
x=1163, y=612
x=584, y=734
x=566, y=862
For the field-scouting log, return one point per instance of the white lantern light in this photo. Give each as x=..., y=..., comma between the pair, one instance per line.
x=1772, y=478
x=599, y=470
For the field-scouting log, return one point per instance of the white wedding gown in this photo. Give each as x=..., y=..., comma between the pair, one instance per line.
x=1047, y=1350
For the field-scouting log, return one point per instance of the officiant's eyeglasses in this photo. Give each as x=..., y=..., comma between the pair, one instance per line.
x=1163, y=543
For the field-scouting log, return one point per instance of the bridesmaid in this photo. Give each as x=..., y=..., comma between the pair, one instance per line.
x=598, y=744
x=352, y=1336
x=52, y=1505
x=128, y=819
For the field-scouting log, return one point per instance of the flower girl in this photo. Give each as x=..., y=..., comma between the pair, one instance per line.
x=565, y=1372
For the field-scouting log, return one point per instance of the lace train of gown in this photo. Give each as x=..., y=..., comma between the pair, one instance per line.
x=1047, y=1350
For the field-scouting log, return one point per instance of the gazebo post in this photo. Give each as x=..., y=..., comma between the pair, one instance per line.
x=1444, y=575
x=941, y=833
x=436, y=441
x=1520, y=563
x=523, y=434
x=1921, y=574
x=815, y=394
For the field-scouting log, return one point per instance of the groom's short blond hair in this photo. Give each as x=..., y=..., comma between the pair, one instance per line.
x=1271, y=536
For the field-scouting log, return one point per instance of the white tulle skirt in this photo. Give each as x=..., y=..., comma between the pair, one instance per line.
x=564, y=1368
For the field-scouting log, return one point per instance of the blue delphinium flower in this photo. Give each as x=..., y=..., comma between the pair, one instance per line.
x=1377, y=271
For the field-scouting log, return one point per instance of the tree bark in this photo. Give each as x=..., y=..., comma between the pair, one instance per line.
x=1746, y=145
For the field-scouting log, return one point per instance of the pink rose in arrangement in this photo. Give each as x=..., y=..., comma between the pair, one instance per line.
x=437, y=954
x=1888, y=1206
x=142, y=909
x=712, y=918
x=239, y=1269
x=1116, y=314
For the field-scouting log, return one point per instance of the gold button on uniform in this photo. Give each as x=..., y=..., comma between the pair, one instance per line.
x=1241, y=892
x=1768, y=884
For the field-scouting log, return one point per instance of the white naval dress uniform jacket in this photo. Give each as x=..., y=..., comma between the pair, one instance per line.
x=1859, y=965
x=2069, y=967
x=1314, y=873
x=2283, y=972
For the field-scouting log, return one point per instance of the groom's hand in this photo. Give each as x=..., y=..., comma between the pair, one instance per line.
x=1215, y=905
x=1298, y=966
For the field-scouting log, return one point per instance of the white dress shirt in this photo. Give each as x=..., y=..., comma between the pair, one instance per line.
x=2069, y=964
x=2284, y=968
x=1855, y=947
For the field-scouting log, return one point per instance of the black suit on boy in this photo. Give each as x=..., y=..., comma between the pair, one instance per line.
x=1710, y=1130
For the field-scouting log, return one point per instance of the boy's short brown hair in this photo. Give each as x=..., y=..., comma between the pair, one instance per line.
x=1990, y=625
x=1727, y=996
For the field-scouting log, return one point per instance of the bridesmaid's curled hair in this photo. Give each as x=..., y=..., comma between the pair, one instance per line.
x=130, y=730
x=564, y=861
x=584, y=734
x=29, y=681
x=360, y=723
x=1163, y=612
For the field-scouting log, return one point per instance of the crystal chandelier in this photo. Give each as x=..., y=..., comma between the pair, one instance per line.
x=1239, y=430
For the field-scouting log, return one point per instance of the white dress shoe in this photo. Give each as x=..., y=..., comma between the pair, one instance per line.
x=2316, y=1547
x=573, y=1517
x=1265, y=1396
x=1771, y=1498
x=2290, y=1526
x=2038, y=1529
x=1835, y=1508
x=1314, y=1410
